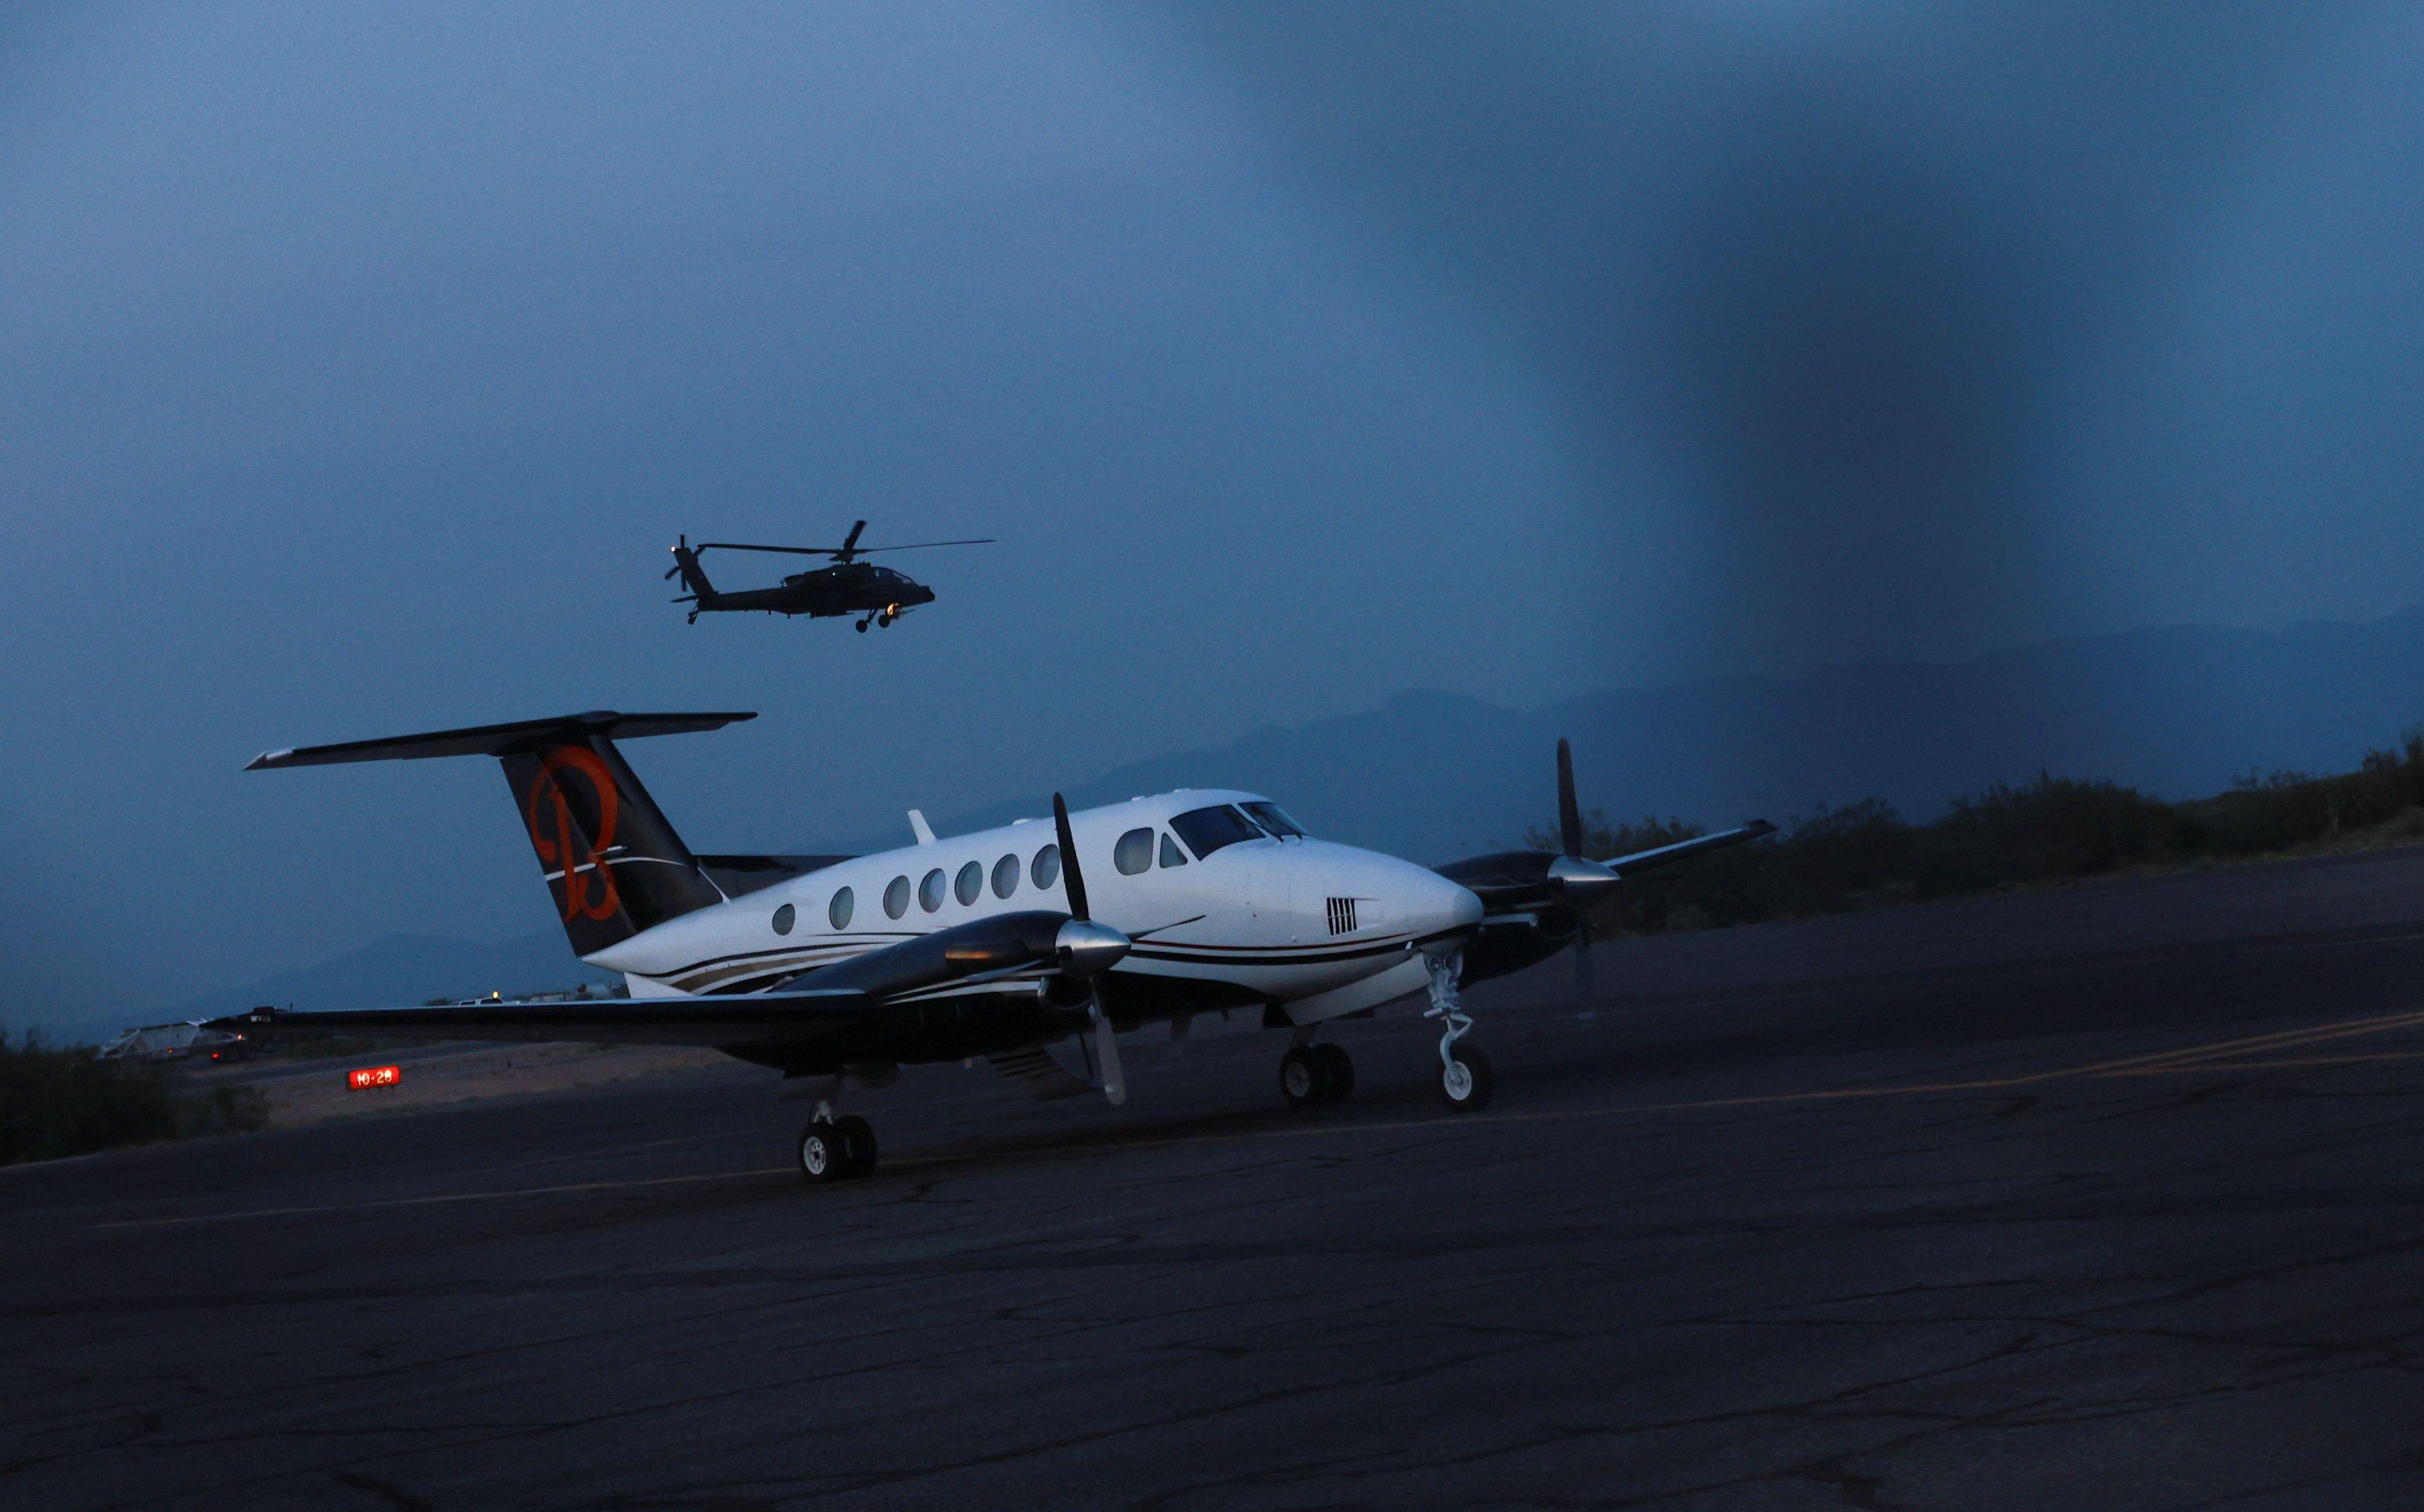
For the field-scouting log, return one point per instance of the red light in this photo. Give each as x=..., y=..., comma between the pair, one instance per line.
x=373, y=1076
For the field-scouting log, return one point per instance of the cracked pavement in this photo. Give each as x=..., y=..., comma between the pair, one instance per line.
x=2110, y=1198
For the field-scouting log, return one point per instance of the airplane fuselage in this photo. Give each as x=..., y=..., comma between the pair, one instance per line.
x=1319, y=928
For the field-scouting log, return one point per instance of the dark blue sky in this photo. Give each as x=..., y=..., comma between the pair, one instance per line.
x=362, y=364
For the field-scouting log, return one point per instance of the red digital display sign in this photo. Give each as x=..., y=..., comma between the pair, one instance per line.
x=373, y=1076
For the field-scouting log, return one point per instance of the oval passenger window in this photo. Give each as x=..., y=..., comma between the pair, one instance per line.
x=839, y=911
x=930, y=892
x=896, y=897
x=1134, y=852
x=1047, y=869
x=1005, y=876
x=970, y=886
x=784, y=917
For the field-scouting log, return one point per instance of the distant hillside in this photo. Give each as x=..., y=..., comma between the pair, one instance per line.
x=2176, y=712
x=404, y=969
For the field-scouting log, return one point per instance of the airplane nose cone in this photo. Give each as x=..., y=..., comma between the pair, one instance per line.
x=1444, y=907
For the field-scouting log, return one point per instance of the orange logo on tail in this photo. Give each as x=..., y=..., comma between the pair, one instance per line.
x=581, y=859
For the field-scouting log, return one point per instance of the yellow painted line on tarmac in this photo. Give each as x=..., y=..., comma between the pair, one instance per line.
x=2258, y=1052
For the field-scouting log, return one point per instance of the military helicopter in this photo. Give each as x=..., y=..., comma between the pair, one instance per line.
x=877, y=595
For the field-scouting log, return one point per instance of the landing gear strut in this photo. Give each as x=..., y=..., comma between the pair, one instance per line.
x=1465, y=1078
x=836, y=1149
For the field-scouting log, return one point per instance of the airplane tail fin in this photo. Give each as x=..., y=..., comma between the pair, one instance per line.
x=612, y=860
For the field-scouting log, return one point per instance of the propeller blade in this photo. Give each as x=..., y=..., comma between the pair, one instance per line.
x=1569, y=812
x=1071, y=878
x=850, y=540
x=671, y=570
x=1107, y=1053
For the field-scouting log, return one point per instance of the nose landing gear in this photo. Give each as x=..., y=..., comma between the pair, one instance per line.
x=1465, y=1077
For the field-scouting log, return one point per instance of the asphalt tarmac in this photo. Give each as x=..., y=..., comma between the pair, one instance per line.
x=2105, y=1198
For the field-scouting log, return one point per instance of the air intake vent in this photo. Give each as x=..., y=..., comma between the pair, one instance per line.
x=1342, y=915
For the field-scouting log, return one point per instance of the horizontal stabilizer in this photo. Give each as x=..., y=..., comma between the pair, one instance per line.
x=496, y=740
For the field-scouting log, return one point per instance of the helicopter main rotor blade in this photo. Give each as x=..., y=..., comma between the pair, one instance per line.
x=793, y=550
x=919, y=545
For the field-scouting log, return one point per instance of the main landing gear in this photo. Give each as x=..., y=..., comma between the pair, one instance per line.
x=1465, y=1077
x=882, y=619
x=836, y=1149
x=1312, y=1073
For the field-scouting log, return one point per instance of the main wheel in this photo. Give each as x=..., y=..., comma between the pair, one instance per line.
x=1334, y=1059
x=857, y=1143
x=1466, y=1080
x=1304, y=1077
x=862, y=627
x=823, y=1155
x=883, y=622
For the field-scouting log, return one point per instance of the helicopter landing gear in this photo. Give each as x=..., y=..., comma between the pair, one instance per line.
x=1465, y=1077
x=862, y=627
x=884, y=621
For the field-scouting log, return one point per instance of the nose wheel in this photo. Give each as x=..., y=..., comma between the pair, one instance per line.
x=1465, y=1077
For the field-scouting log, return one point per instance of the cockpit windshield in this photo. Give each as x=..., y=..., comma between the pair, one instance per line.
x=1206, y=830
x=1274, y=818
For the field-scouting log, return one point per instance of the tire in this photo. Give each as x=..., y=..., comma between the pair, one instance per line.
x=1304, y=1078
x=857, y=1143
x=1468, y=1092
x=862, y=627
x=824, y=1156
x=1341, y=1067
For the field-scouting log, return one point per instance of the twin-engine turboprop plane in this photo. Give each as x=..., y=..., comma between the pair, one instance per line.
x=1003, y=944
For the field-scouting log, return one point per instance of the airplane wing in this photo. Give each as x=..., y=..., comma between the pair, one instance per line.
x=757, y=1018
x=1626, y=866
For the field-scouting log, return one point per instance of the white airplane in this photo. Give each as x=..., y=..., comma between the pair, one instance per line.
x=1004, y=944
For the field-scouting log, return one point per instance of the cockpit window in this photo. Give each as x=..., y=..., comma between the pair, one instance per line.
x=1274, y=818
x=1206, y=830
x=1170, y=854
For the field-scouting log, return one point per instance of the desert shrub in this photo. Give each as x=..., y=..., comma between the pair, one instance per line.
x=57, y=1102
x=71, y=1102
x=2049, y=829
